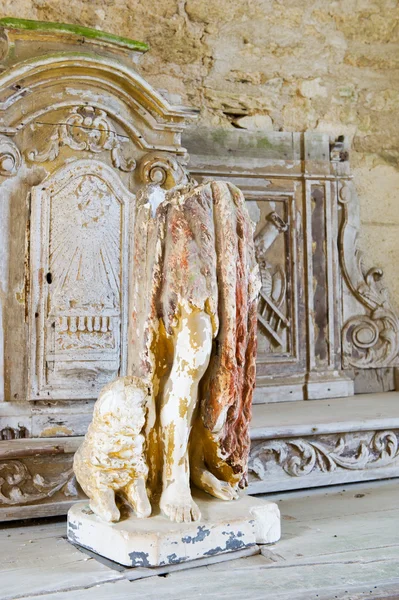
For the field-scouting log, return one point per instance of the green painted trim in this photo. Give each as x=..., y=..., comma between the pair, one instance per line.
x=87, y=32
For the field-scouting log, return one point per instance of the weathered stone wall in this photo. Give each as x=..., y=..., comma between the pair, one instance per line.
x=287, y=65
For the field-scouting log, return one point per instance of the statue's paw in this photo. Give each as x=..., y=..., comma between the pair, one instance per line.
x=214, y=486
x=105, y=511
x=143, y=509
x=179, y=507
x=138, y=498
x=182, y=513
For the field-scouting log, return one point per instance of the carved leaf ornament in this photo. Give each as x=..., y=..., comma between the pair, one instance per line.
x=299, y=457
x=86, y=128
x=19, y=486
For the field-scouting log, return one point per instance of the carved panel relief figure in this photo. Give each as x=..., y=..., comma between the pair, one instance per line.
x=274, y=283
x=273, y=256
x=77, y=274
x=194, y=298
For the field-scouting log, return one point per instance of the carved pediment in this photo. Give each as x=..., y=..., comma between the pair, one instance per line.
x=40, y=79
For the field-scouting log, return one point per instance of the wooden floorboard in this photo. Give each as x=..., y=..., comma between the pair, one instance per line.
x=37, y=558
x=338, y=544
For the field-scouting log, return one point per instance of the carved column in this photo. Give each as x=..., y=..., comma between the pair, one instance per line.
x=323, y=298
x=10, y=161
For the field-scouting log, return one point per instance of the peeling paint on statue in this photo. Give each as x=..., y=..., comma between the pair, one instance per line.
x=194, y=295
x=111, y=459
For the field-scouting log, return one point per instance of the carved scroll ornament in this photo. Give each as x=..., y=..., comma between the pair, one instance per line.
x=299, y=457
x=86, y=128
x=163, y=169
x=371, y=338
x=10, y=157
x=19, y=486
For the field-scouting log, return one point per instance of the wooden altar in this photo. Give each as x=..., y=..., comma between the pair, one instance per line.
x=80, y=132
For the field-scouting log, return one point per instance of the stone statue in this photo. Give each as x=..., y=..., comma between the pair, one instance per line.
x=184, y=416
x=111, y=459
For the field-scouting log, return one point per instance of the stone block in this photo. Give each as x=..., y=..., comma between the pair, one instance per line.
x=224, y=528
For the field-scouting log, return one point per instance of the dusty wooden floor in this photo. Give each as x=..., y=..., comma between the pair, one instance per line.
x=338, y=543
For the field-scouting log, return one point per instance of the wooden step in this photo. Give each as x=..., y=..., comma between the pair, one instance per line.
x=362, y=412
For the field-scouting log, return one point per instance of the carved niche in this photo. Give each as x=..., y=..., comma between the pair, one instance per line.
x=274, y=308
x=81, y=219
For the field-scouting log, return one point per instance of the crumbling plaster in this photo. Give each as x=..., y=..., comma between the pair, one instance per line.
x=289, y=65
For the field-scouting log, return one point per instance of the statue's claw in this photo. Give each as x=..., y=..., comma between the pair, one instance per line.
x=206, y=481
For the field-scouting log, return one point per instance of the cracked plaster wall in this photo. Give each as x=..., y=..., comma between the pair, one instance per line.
x=288, y=65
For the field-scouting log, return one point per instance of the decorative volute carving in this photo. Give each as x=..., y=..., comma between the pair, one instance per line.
x=10, y=157
x=370, y=337
x=163, y=169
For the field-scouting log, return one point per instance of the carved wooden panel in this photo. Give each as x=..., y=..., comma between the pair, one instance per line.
x=300, y=462
x=277, y=233
x=294, y=182
x=36, y=477
x=80, y=222
x=21, y=483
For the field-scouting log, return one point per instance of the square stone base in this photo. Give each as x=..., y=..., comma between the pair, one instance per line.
x=224, y=527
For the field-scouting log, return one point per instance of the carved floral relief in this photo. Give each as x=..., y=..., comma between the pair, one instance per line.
x=299, y=457
x=18, y=485
x=85, y=128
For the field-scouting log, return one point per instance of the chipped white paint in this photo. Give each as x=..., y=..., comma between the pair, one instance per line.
x=156, y=541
